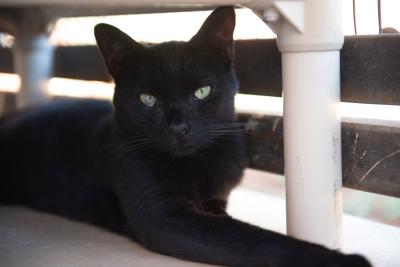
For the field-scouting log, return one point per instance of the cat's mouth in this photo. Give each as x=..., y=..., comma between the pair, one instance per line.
x=181, y=148
x=182, y=153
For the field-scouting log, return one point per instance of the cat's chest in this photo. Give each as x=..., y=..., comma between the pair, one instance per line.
x=187, y=171
x=206, y=176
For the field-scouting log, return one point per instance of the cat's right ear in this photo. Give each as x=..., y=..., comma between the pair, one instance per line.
x=115, y=46
x=217, y=31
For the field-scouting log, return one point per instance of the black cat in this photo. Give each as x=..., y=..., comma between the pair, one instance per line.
x=159, y=167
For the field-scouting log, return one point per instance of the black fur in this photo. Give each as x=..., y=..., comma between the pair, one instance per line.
x=125, y=170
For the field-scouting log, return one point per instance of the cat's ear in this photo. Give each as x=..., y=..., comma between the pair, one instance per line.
x=217, y=30
x=115, y=46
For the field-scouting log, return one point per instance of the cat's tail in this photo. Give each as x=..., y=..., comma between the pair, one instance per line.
x=3, y=157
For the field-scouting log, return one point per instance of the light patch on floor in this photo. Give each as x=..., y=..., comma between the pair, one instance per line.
x=380, y=243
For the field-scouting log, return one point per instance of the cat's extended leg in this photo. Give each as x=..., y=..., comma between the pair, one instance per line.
x=167, y=225
x=223, y=240
x=215, y=206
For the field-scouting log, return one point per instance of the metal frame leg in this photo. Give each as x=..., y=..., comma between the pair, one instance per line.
x=33, y=61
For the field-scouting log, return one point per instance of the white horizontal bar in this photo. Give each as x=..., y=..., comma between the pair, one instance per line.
x=262, y=105
x=350, y=112
x=138, y=3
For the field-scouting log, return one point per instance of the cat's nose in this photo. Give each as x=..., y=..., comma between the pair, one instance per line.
x=179, y=128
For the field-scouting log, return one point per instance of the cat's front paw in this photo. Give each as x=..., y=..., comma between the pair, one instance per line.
x=329, y=258
x=354, y=260
x=345, y=260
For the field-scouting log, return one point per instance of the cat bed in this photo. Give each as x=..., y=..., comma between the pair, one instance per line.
x=30, y=238
x=35, y=239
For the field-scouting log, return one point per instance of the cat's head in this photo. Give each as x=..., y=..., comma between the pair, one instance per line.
x=177, y=97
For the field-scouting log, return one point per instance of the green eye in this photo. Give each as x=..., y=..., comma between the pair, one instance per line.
x=148, y=100
x=202, y=92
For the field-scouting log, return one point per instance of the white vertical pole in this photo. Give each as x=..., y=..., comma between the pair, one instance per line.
x=311, y=91
x=33, y=61
x=312, y=146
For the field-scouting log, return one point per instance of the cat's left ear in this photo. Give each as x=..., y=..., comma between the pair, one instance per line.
x=116, y=47
x=217, y=30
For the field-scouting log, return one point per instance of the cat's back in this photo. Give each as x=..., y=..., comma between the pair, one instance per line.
x=78, y=113
x=51, y=152
x=61, y=125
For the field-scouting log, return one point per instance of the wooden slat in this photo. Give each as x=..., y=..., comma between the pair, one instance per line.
x=264, y=142
x=80, y=62
x=370, y=67
x=370, y=153
x=371, y=157
x=258, y=67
